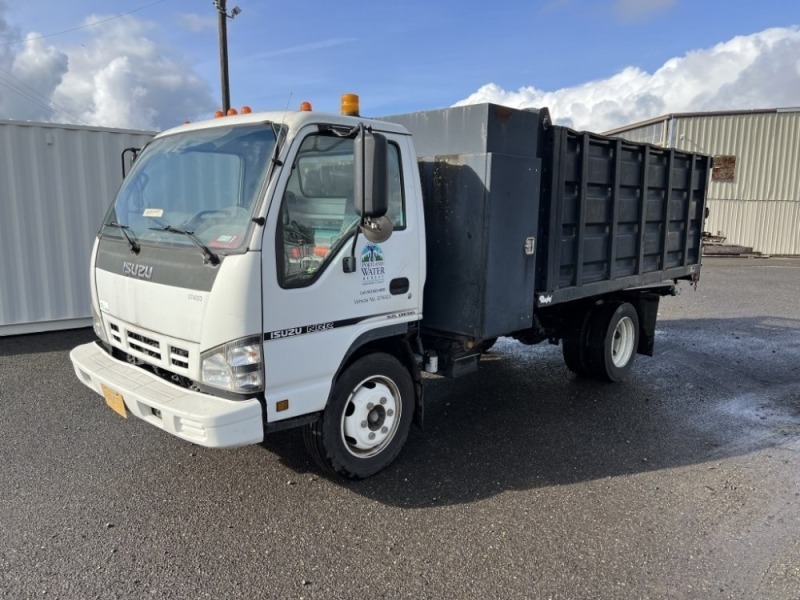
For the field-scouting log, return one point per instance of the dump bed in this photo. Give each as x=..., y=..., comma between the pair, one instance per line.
x=522, y=215
x=616, y=214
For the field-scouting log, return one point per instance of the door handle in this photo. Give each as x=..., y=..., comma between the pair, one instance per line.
x=398, y=286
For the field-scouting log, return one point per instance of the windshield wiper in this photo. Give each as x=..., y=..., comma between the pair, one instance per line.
x=208, y=256
x=135, y=247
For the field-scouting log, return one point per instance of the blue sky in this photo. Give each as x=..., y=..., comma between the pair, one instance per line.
x=601, y=63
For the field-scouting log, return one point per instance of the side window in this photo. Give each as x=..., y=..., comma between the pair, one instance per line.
x=397, y=206
x=317, y=214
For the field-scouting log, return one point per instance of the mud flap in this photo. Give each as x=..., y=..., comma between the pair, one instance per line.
x=647, y=311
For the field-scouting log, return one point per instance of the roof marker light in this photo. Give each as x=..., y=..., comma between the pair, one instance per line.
x=246, y=110
x=306, y=106
x=232, y=111
x=350, y=105
x=218, y=114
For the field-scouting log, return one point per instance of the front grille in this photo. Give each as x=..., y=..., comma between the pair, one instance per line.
x=178, y=357
x=159, y=352
x=144, y=345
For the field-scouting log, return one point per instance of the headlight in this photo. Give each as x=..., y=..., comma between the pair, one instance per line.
x=97, y=325
x=237, y=366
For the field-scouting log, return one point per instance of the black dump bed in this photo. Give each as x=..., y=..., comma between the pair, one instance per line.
x=522, y=215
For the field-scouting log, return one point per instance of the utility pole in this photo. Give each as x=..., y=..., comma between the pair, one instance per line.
x=222, y=12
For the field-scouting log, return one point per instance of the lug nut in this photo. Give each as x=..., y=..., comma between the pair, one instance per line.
x=363, y=423
x=372, y=435
x=390, y=413
x=384, y=430
x=370, y=406
x=383, y=400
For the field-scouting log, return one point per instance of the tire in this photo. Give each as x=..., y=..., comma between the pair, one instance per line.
x=612, y=341
x=574, y=346
x=367, y=418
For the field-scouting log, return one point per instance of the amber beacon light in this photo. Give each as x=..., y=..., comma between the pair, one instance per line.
x=350, y=105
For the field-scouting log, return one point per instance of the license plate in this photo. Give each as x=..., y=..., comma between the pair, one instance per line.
x=114, y=401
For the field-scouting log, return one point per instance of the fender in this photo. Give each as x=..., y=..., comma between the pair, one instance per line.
x=395, y=340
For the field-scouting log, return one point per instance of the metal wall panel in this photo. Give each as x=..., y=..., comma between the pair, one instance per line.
x=766, y=146
x=760, y=208
x=768, y=227
x=654, y=133
x=56, y=182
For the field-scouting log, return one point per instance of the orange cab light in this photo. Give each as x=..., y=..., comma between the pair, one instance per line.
x=246, y=110
x=350, y=105
x=218, y=114
x=306, y=106
x=321, y=251
x=232, y=111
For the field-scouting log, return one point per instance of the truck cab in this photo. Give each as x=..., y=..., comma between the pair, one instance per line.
x=236, y=279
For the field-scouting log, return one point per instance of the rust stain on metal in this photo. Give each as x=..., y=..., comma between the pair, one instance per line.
x=503, y=113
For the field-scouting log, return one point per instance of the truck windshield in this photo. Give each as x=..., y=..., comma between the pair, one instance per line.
x=204, y=182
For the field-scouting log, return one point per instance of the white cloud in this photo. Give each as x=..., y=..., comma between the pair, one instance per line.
x=761, y=70
x=28, y=82
x=7, y=35
x=121, y=76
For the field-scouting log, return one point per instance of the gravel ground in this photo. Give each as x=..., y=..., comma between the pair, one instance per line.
x=527, y=482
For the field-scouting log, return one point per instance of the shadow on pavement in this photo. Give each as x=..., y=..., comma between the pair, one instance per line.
x=715, y=388
x=51, y=341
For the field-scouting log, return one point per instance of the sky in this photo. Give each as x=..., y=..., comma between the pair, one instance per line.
x=596, y=64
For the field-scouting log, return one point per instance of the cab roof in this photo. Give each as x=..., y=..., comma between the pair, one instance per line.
x=294, y=120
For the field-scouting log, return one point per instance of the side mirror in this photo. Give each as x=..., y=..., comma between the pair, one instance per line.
x=371, y=177
x=134, y=152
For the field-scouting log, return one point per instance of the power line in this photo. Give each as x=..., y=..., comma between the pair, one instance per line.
x=46, y=35
x=30, y=98
x=23, y=89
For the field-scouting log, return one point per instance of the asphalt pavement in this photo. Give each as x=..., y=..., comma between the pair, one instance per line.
x=526, y=482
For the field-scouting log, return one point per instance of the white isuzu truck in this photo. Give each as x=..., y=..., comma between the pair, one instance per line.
x=272, y=270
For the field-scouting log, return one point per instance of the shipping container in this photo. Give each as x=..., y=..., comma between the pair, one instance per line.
x=56, y=182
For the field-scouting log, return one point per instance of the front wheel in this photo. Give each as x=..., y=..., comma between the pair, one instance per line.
x=367, y=418
x=613, y=340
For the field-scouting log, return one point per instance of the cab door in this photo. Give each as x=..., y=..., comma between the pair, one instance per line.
x=314, y=309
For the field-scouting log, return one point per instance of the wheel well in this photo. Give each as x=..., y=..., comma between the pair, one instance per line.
x=563, y=319
x=398, y=346
x=390, y=345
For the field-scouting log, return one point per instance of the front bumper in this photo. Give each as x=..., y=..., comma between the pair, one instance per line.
x=199, y=418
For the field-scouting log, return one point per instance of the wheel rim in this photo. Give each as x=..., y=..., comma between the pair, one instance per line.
x=371, y=417
x=622, y=342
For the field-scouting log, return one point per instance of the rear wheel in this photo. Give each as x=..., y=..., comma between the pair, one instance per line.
x=367, y=419
x=613, y=340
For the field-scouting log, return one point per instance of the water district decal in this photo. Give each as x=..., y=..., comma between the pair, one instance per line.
x=372, y=269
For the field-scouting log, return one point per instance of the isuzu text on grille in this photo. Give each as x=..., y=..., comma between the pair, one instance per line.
x=134, y=270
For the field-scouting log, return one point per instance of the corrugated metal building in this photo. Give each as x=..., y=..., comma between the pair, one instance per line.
x=56, y=182
x=754, y=192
